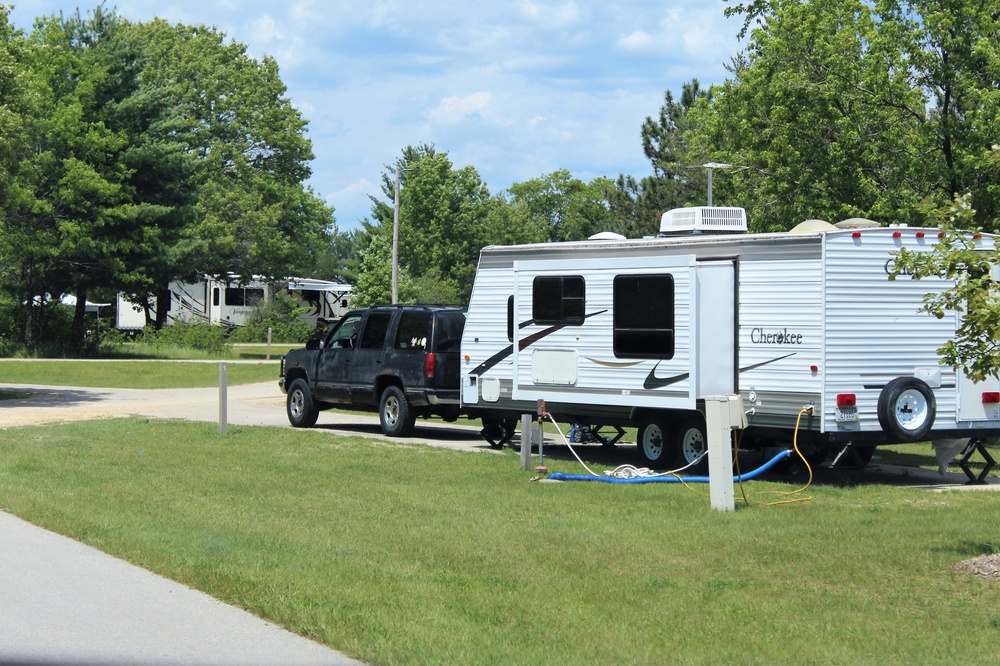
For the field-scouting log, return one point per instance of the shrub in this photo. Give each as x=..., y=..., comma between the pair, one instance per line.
x=201, y=336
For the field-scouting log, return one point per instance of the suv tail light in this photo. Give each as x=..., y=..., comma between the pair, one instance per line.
x=430, y=361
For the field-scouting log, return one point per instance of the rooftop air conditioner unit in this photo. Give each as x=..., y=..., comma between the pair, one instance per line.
x=704, y=220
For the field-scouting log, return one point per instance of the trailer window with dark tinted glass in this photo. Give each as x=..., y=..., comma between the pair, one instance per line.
x=558, y=300
x=644, y=316
x=510, y=318
x=243, y=296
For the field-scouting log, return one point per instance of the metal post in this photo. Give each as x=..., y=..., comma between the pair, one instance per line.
x=720, y=417
x=268, y=343
x=525, y=442
x=395, y=243
x=223, y=417
x=709, y=186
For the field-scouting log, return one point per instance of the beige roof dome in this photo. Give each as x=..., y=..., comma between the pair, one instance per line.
x=857, y=223
x=810, y=226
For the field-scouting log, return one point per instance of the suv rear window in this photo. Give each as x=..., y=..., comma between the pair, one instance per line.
x=449, y=331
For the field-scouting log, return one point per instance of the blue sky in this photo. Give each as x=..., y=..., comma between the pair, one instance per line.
x=514, y=89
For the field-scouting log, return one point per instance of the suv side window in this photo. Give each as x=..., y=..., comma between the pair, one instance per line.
x=373, y=335
x=413, y=332
x=344, y=334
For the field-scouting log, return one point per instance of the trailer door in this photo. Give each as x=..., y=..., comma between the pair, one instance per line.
x=714, y=300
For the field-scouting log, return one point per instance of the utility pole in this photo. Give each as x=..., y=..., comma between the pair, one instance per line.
x=395, y=243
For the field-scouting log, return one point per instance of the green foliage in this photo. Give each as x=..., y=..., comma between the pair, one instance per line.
x=974, y=296
x=572, y=209
x=202, y=336
x=374, y=284
x=856, y=109
x=282, y=316
x=139, y=153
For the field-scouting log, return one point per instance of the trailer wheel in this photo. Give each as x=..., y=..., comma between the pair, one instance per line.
x=300, y=406
x=652, y=442
x=394, y=413
x=906, y=409
x=691, y=444
x=497, y=431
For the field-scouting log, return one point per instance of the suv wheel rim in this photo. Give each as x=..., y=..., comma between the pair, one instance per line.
x=295, y=404
x=391, y=411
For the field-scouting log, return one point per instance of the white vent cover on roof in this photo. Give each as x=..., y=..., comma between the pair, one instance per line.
x=704, y=220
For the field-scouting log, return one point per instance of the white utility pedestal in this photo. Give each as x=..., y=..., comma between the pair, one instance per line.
x=722, y=414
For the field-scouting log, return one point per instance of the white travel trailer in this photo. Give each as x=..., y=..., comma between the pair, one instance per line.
x=805, y=326
x=230, y=304
x=325, y=300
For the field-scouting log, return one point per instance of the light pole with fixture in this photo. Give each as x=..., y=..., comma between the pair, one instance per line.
x=710, y=166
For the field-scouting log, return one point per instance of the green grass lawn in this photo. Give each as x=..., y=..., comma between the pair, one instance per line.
x=407, y=554
x=133, y=374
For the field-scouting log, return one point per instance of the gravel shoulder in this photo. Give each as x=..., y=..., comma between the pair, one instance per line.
x=260, y=404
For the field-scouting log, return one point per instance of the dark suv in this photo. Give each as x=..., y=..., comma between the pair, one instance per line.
x=401, y=360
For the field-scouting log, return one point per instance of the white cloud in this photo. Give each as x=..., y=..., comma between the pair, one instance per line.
x=637, y=41
x=457, y=109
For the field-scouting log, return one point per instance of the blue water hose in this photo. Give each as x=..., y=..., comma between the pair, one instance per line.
x=749, y=476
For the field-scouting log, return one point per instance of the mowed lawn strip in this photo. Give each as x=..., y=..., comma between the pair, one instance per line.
x=406, y=554
x=134, y=374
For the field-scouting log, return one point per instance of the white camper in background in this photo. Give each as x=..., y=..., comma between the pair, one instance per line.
x=638, y=332
x=230, y=304
x=210, y=301
x=325, y=300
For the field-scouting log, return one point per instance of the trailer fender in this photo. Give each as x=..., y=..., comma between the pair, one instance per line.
x=906, y=409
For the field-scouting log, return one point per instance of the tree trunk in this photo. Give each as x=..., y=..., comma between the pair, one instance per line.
x=162, y=307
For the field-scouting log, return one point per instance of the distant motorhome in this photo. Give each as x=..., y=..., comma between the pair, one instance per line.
x=231, y=303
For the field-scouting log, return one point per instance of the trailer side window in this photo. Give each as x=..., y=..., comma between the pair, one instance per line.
x=243, y=296
x=558, y=300
x=644, y=316
x=510, y=318
x=234, y=296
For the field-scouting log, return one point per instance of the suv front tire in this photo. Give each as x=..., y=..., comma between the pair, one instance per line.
x=302, y=411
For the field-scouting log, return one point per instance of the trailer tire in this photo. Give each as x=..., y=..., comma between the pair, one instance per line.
x=906, y=409
x=691, y=444
x=653, y=442
x=300, y=406
x=497, y=431
x=394, y=413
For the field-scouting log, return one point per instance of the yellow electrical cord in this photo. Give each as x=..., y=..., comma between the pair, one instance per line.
x=795, y=444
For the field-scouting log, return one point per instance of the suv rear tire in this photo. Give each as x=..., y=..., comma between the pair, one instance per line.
x=394, y=413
